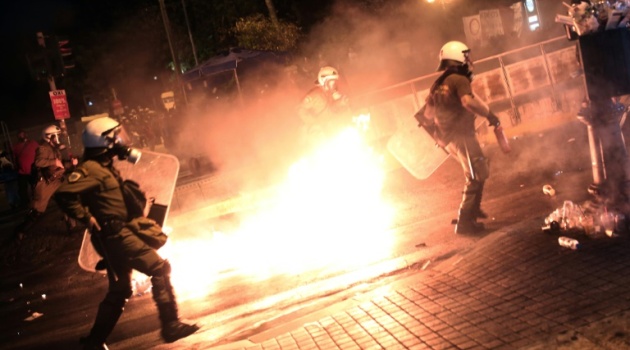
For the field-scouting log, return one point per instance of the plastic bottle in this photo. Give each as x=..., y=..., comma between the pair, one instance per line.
x=568, y=242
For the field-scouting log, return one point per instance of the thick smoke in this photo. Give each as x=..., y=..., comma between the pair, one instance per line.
x=371, y=49
x=261, y=132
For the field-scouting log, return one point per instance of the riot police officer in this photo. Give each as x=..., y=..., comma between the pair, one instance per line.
x=48, y=171
x=92, y=194
x=450, y=112
x=324, y=106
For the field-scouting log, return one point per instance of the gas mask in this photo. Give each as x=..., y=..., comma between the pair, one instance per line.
x=331, y=86
x=120, y=146
x=105, y=136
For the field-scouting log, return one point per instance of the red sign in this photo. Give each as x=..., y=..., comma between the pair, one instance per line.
x=59, y=104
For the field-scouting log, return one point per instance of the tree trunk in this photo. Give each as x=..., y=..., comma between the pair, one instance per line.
x=272, y=12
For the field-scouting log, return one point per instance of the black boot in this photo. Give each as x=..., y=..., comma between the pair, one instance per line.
x=172, y=328
x=109, y=312
x=467, y=224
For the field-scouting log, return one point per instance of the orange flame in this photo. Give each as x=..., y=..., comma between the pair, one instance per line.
x=327, y=214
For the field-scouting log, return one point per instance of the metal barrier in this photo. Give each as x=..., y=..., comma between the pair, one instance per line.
x=507, y=81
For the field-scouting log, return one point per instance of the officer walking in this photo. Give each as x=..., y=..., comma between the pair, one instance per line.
x=449, y=114
x=92, y=194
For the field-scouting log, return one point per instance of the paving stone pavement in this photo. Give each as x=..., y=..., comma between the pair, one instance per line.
x=514, y=289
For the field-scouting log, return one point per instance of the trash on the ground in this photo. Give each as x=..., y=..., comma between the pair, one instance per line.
x=552, y=227
x=426, y=264
x=421, y=245
x=573, y=216
x=568, y=216
x=568, y=242
x=548, y=190
x=34, y=316
x=571, y=139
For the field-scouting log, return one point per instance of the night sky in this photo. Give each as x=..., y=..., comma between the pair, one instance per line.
x=25, y=101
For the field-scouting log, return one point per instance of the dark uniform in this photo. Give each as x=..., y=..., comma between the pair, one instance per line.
x=49, y=175
x=455, y=130
x=94, y=190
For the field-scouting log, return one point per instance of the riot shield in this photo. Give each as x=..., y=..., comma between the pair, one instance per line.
x=157, y=175
x=415, y=149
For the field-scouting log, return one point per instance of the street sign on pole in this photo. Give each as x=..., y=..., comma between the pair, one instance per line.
x=59, y=104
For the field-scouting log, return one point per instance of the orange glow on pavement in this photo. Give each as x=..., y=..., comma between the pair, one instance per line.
x=327, y=214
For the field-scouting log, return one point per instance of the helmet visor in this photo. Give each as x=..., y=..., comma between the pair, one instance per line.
x=117, y=136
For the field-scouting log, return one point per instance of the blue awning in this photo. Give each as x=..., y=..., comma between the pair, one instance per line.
x=232, y=60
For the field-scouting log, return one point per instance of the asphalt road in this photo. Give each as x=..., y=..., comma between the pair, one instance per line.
x=40, y=274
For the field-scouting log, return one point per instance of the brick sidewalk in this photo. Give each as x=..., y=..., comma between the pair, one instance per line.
x=516, y=289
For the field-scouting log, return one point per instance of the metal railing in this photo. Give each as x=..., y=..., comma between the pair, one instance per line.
x=504, y=80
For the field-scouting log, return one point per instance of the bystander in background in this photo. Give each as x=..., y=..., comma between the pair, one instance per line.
x=24, y=155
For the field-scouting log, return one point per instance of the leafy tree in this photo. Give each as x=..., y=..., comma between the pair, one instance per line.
x=258, y=32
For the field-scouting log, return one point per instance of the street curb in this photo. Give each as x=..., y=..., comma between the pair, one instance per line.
x=420, y=260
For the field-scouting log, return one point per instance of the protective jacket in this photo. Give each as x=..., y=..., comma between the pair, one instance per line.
x=94, y=185
x=46, y=157
x=451, y=118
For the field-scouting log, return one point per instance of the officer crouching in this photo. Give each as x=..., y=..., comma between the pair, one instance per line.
x=93, y=195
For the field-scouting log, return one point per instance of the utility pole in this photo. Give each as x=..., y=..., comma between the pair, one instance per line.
x=167, y=28
x=41, y=41
x=192, y=42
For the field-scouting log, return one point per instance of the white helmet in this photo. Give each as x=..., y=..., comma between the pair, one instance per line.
x=107, y=133
x=51, y=133
x=455, y=51
x=326, y=73
x=100, y=132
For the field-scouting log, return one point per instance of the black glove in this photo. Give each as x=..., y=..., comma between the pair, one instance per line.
x=493, y=120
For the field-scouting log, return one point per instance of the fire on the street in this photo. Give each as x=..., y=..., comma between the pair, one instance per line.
x=328, y=213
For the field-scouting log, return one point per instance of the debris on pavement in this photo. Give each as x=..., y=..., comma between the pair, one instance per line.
x=548, y=190
x=568, y=242
x=572, y=216
x=421, y=245
x=34, y=316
